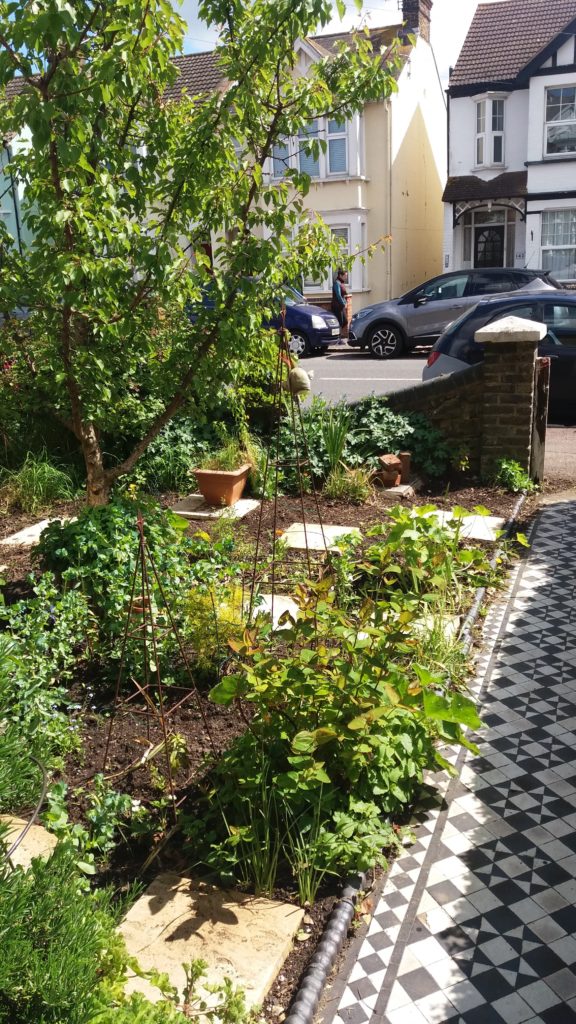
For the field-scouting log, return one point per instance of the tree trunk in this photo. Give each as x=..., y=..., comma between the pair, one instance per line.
x=98, y=482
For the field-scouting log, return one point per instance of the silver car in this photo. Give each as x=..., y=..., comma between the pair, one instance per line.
x=388, y=329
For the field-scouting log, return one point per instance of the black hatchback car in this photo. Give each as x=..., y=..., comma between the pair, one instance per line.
x=456, y=348
x=387, y=329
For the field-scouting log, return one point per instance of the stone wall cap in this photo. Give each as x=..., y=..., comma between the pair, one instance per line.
x=512, y=329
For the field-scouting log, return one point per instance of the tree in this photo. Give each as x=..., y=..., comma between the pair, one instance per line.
x=122, y=191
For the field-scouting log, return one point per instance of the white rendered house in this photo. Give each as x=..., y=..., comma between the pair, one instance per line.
x=510, y=199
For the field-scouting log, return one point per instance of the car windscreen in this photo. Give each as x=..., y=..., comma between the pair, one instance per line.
x=292, y=297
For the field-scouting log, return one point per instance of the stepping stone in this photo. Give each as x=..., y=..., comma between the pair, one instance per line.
x=450, y=625
x=27, y=537
x=403, y=491
x=241, y=937
x=475, y=527
x=195, y=507
x=276, y=606
x=37, y=842
x=316, y=537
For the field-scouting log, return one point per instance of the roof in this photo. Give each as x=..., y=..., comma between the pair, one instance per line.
x=199, y=72
x=505, y=186
x=505, y=37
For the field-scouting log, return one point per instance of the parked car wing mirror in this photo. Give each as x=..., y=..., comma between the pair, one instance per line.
x=421, y=300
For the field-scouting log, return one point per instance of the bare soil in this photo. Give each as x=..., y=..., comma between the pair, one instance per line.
x=114, y=741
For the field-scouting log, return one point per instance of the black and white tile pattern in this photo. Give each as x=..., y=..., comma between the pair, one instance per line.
x=477, y=921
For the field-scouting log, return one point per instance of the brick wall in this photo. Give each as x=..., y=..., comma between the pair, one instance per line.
x=454, y=405
x=488, y=411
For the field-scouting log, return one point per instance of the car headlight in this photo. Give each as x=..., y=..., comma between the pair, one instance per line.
x=318, y=322
x=361, y=314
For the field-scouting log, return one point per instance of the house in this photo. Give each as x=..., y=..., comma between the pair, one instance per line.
x=510, y=199
x=383, y=172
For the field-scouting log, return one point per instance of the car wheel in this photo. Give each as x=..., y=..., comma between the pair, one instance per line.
x=298, y=344
x=386, y=342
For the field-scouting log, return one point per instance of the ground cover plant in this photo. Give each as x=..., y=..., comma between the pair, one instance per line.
x=338, y=444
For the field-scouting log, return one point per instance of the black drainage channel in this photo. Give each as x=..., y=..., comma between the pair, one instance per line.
x=307, y=998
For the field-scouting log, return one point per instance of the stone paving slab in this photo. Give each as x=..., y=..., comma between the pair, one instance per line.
x=195, y=507
x=37, y=842
x=475, y=527
x=316, y=537
x=241, y=937
x=476, y=921
x=276, y=605
x=27, y=537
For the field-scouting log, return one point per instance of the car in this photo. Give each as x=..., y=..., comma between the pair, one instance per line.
x=389, y=329
x=456, y=349
x=311, y=328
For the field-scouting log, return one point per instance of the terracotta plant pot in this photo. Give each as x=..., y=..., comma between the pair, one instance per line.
x=222, y=487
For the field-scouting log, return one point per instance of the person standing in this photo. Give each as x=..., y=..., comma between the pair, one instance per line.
x=339, y=294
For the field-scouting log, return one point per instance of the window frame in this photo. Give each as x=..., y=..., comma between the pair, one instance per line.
x=555, y=247
x=555, y=123
x=325, y=171
x=489, y=127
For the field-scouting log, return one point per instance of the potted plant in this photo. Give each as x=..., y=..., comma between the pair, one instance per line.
x=222, y=477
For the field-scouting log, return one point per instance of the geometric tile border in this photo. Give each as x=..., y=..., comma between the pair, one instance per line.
x=475, y=922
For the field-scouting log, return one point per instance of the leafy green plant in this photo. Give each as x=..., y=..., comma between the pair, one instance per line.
x=352, y=485
x=510, y=475
x=98, y=554
x=36, y=484
x=336, y=427
x=44, y=639
x=166, y=464
x=421, y=556
x=230, y=456
x=63, y=961
x=106, y=812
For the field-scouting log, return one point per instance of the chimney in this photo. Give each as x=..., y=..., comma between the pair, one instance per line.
x=416, y=14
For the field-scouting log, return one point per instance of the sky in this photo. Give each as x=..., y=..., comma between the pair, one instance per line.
x=450, y=22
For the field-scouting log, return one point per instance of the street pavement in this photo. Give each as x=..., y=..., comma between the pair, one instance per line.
x=348, y=373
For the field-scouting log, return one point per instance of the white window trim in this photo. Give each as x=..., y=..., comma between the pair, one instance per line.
x=552, y=247
x=355, y=223
x=355, y=158
x=568, y=152
x=488, y=135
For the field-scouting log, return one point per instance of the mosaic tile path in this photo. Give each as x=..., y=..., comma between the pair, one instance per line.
x=477, y=923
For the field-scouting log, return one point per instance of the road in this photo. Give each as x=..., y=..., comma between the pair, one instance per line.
x=347, y=372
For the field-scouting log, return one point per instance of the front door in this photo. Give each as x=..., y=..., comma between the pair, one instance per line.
x=489, y=246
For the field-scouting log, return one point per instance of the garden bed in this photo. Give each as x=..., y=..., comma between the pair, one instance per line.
x=206, y=729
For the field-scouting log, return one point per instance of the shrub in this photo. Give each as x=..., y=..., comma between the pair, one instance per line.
x=166, y=464
x=43, y=639
x=355, y=435
x=36, y=484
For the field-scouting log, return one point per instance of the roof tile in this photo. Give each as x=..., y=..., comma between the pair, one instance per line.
x=504, y=37
x=505, y=186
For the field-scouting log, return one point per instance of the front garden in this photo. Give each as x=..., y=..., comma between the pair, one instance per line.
x=174, y=724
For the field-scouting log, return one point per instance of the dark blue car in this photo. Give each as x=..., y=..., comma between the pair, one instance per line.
x=311, y=328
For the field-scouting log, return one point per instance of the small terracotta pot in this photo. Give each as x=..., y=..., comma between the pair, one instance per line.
x=222, y=487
